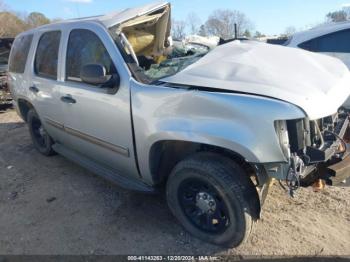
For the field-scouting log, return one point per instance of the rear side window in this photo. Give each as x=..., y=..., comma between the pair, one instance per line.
x=19, y=53
x=85, y=47
x=338, y=42
x=46, y=58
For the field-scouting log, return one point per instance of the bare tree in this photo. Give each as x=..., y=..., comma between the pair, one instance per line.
x=178, y=29
x=202, y=31
x=337, y=16
x=194, y=23
x=11, y=25
x=346, y=9
x=290, y=30
x=221, y=23
x=258, y=34
x=247, y=33
x=36, y=19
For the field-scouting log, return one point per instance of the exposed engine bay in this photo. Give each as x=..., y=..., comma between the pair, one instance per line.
x=314, y=147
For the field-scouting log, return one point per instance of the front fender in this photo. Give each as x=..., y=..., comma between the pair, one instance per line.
x=239, y=141
x=240, y=123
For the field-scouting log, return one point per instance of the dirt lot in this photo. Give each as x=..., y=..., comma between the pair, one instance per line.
x=52, y=206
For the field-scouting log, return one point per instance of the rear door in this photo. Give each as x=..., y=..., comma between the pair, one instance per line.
x=98, y=120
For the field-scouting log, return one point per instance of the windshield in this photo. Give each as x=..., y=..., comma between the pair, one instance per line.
x=181, y=56
x=148, y=49
x=175, y=58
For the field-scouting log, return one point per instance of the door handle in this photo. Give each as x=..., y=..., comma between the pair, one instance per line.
x=68, y=99
x=34, y=89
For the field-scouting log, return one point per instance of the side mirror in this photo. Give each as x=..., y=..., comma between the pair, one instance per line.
x=95, y=74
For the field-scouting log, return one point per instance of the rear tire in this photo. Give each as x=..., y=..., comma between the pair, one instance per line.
x=41, y=139
x=211, y=196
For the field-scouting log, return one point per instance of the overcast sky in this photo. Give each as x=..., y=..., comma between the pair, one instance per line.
x=268, y=16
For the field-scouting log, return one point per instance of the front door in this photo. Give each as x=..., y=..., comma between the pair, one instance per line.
x=97, y=120
x=43, y=84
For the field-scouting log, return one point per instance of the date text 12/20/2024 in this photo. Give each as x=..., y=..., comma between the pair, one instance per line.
x=173, y=258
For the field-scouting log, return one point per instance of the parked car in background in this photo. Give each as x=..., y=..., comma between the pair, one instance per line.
x=331, y=39
x=212, y=127
x=277, y=41
x=5, y=48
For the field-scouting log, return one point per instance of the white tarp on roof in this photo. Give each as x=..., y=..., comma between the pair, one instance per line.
x=210, y=41
x=316, y=83
x=115, y=18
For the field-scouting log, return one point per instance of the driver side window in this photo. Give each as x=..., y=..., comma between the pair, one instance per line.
x=85, y=47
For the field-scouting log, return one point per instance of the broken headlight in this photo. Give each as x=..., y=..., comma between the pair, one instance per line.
x=282, y=134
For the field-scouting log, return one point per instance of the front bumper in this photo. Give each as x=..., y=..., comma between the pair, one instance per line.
x=339, y=170
x=329, y=163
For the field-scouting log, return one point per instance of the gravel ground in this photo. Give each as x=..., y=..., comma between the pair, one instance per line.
x=52, y=206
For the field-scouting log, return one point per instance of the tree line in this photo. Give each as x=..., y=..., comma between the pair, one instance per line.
x=339, y=15
x=12, y=23
x=220, y=22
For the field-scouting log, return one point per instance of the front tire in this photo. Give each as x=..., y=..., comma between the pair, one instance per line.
x=41, y=139
x=211, y=197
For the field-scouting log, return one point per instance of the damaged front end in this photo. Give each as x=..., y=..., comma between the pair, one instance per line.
x=314, y=149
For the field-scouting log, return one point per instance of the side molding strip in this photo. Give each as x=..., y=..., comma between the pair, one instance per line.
x=115, y=148
x=54, y=123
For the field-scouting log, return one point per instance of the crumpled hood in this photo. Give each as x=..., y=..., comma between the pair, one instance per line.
x=316, y=83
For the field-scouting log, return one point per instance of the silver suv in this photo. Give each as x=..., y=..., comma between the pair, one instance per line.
x=213, y=127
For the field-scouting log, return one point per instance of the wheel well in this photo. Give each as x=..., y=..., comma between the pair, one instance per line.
x=164, y=155
x=24, y=106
